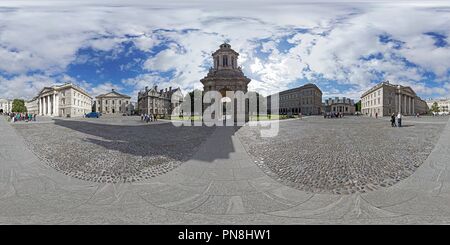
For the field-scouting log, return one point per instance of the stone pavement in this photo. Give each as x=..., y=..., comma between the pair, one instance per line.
x=219, y=185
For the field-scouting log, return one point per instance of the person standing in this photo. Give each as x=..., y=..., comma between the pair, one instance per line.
x=399, y=119
x=393, y=124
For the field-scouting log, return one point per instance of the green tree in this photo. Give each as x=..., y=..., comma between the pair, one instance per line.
x=358, y=106
x=19, y=106
x=435, y=107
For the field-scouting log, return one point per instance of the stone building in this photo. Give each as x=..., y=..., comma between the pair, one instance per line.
x=306, y=100
x=342, y=105
x=386, y=98
x=226, y=76
x=443, y=105
x=32, y=106
x=159, y=102
x=113, y=103
x=5, y=106
x=67, y=100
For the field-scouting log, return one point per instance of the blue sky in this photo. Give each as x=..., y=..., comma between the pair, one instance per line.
x=345, y=48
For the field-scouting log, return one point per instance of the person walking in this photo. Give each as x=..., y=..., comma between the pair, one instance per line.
x=399, y=120
x=393, y=124
x=376, y=115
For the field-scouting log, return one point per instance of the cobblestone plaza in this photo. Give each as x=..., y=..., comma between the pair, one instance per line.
x=119, y=170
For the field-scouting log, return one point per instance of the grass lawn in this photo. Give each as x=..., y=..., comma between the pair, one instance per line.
x=268, y=117
x=187, y=118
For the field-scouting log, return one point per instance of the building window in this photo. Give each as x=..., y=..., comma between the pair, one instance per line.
x=225, y=60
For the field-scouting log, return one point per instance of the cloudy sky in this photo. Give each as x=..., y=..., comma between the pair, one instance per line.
x=345, y=48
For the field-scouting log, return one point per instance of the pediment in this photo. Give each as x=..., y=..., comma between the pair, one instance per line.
x=113, y=94
x=46, y=90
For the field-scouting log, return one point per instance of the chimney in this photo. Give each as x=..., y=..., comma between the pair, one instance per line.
x=170, y=89
x=161, y=91
x=146, y=88
x=166, y=90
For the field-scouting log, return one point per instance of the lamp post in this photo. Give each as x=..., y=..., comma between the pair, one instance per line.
x=399, y=99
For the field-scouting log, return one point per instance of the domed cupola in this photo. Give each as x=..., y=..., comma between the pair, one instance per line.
x=225, y=57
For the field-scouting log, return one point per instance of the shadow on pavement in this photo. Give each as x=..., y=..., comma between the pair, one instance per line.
x=179, y=143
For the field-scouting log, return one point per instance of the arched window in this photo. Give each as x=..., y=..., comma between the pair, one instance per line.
x=232, y=62
x=225, y=60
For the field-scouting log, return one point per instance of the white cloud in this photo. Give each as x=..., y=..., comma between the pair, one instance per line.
x=23, y=87
x=47, y=35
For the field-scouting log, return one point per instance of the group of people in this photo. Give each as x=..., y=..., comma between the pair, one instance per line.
x=148, y=118
x=26, y=117
x=333, y=115
x=397, y=118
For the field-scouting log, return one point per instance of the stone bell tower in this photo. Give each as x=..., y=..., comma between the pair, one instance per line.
x=226, y=75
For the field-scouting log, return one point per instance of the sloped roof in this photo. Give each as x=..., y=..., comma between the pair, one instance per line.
x=113, y=94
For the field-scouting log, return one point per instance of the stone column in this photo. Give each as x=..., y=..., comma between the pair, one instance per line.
x=56, y=105
x=49, y=106
x=43, y=106
x=413, y=105
x=404, y=104
x=410, y=106
x=40, y=106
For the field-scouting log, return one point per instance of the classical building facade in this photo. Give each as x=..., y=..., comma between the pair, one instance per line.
x=5, y=106
x=305, y=100
x=32, y=106
x=67, y=100
x=443, y=104
x=159, y=102
x=113, y=103
x=342, y=105
x=386, y=98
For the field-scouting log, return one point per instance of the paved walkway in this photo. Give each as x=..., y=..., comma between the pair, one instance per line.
x=220, y=185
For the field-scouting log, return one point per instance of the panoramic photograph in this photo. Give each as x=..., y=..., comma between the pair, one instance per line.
x=224, y=113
